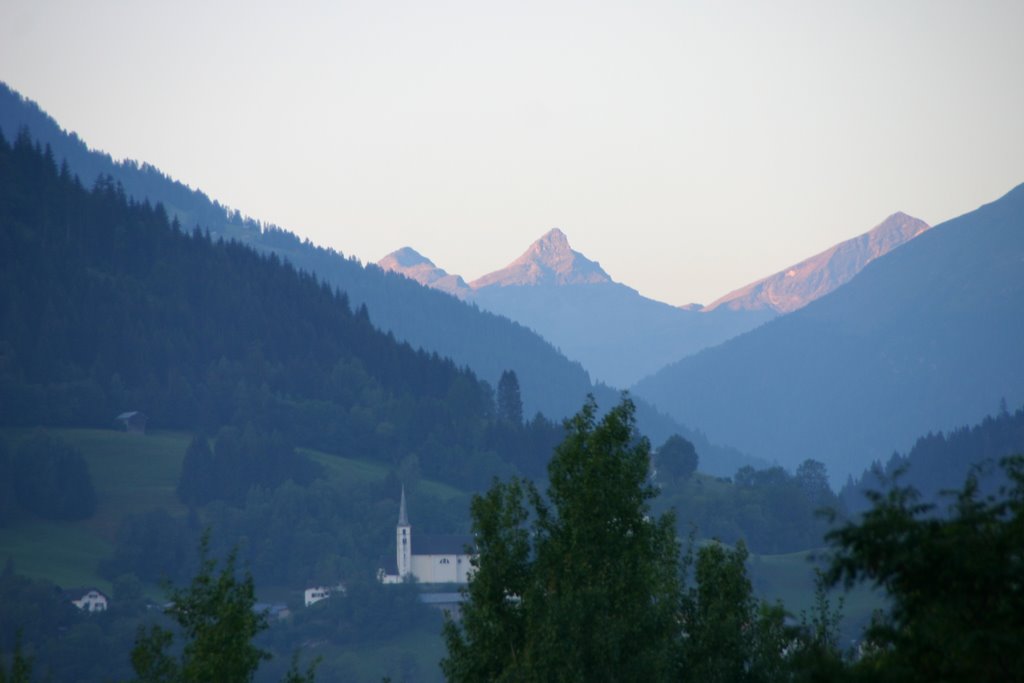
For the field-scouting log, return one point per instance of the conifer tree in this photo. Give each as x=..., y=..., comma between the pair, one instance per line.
x=510, y=402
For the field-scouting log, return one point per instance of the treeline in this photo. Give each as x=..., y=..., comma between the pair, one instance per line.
x=769, y=509
x=940, y=462
x=106, y=305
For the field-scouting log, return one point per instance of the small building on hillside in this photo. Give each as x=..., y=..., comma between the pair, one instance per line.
x=87, y=599
x=315, y=594
x=432, y=559
x=133, y=421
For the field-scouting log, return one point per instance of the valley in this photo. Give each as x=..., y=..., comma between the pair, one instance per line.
x=295, y=395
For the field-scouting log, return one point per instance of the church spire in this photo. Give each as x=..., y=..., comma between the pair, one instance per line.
x=403, y=519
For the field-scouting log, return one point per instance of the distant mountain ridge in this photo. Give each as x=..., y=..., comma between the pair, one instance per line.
x=813, y=278
x=619, y=335
x=925, y=338
x=548, y=261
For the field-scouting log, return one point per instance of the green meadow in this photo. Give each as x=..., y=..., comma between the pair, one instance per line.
x=135, y=473
x=132, y=474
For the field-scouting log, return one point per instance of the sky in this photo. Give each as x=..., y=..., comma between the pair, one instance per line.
x=689, y=147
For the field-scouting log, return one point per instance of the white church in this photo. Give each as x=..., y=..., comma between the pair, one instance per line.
x=433, y=559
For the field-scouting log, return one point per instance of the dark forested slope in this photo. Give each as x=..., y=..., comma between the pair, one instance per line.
x=106, y=307
x=941, y=462
x=487, y=343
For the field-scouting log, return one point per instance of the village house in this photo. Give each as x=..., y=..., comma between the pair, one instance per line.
x=87, y=599
x=315, y=594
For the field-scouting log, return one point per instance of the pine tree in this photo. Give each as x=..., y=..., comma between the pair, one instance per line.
x=510, y=402
x=197, y=478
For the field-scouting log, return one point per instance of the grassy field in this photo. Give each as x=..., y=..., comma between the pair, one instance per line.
x=413, y=656
x=790, y=579
x=350, y=469
x=132, y=474
x=136, y=473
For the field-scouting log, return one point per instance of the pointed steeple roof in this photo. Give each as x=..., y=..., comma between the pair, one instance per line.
x=403, y=518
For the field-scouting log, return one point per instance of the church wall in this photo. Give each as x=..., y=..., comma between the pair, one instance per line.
x=464, y=568
x=441, y=568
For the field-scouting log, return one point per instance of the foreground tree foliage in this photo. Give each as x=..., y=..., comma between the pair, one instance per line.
x=955, y=581
x=21, y=666
x=582, y=585
x=217, y=621
x=729, y=634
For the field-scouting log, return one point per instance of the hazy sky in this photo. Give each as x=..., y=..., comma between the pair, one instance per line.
x=690, y=147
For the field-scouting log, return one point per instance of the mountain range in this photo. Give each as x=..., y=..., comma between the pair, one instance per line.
x=621, y=336
x=616, y=333
x=925, y=338
x=894, y=342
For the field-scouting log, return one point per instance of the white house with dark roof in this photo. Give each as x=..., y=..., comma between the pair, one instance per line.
x=315, y=594
x=431, y=559
x=87, y=599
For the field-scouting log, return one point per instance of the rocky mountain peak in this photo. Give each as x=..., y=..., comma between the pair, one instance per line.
x=548, y=261
x=406, y=257
x=415, y=266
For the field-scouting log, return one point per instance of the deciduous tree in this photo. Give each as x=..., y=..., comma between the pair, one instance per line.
x=954, y=582
x=677, y=458
x=217, y=622
x=588, y=589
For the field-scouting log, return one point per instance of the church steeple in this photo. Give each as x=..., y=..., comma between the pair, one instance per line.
x=403, y=519
x=403, y=540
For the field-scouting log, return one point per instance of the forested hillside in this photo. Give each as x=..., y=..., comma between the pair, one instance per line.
x=940, y=462
x=488, y=344
x=925, y=338
x=106, y=307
